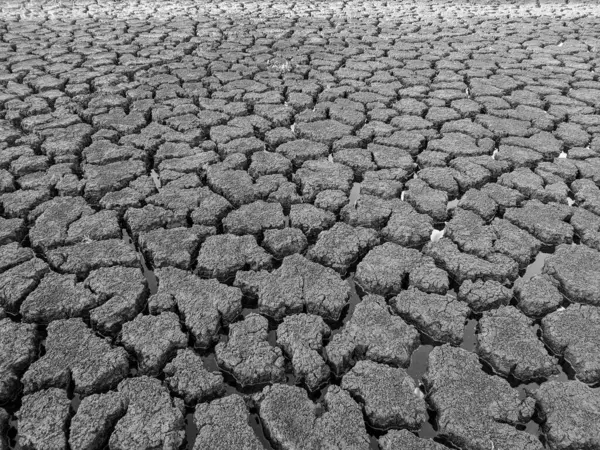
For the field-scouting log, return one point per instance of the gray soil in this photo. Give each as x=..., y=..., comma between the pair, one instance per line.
x=299, y=225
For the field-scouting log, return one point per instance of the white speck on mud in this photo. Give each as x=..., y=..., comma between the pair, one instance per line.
x=436, y=235
x=330, y=158
x=494, y=154
x=562, y=155
x=293, y=127
x=156, y=179
x=354, y=194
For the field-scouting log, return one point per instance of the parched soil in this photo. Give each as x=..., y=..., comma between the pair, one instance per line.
x=299, y=225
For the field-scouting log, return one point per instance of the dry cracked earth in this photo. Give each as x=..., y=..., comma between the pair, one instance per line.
x=299, y=225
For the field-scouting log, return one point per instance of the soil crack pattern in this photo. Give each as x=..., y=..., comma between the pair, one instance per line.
x=261, y=224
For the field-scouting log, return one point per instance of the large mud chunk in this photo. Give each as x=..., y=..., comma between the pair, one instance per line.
x=247, y=354
x=324, y=131
x=19, y=204
x=96, y=416
x=587, y=227
x=572, y=412
x=310, y=219
x=577, y=269
x=470, y=233
x=11, y=230
x=487, y=415
x=110, y=177
x=301, y=150
x=462, y=266
x=317, y=176
x=407, y=227
x=204, y=305
x=426, y=200
x=484, y=295
x=58, y=297
x=53, y=218
x=547, y=222
x=153, y=418
x=372, y=333
x=235, y=185
x=292, y=420
x=187, y=377
x=153, y=339
x=405, y=440
x=301, y=337
x=19, y=281
x=371, y=212
x=223, y=425
x=514, y=242
x=121, y=291
x=254, y=219
x=341, y=245
x=223, y=255
x=18, y=349
x=574, y=333
x=286, y=242
x=75, y=355
x=43, y=420
x=440, y=317
x=508, y=341
x=174, y=247
x=299, y=285
x=537, y=296
x=389, y=395
x=385, y=268
x=80, y=259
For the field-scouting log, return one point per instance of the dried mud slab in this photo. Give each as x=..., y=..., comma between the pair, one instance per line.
x=18, y=349
x=508, y=341
x=389, y=395
x=489, y=414
x=572, y=333
x=297, y=285
x=372, y=333
x=223, y=425
x=292, y=420
x=570, y=410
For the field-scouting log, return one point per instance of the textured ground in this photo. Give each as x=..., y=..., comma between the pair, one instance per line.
x=309, y=225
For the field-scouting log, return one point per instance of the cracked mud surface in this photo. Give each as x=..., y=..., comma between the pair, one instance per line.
x=309, y=225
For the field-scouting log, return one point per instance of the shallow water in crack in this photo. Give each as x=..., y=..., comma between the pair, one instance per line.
x=191, y=431
x=156, y=179
x=148, y=273
x=452, y=204
x=470, y=337
x=354, y=194
x=419, y=361
x=535, y=268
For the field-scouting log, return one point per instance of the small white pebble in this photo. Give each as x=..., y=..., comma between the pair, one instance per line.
x=562, y=155
x=436, y=235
